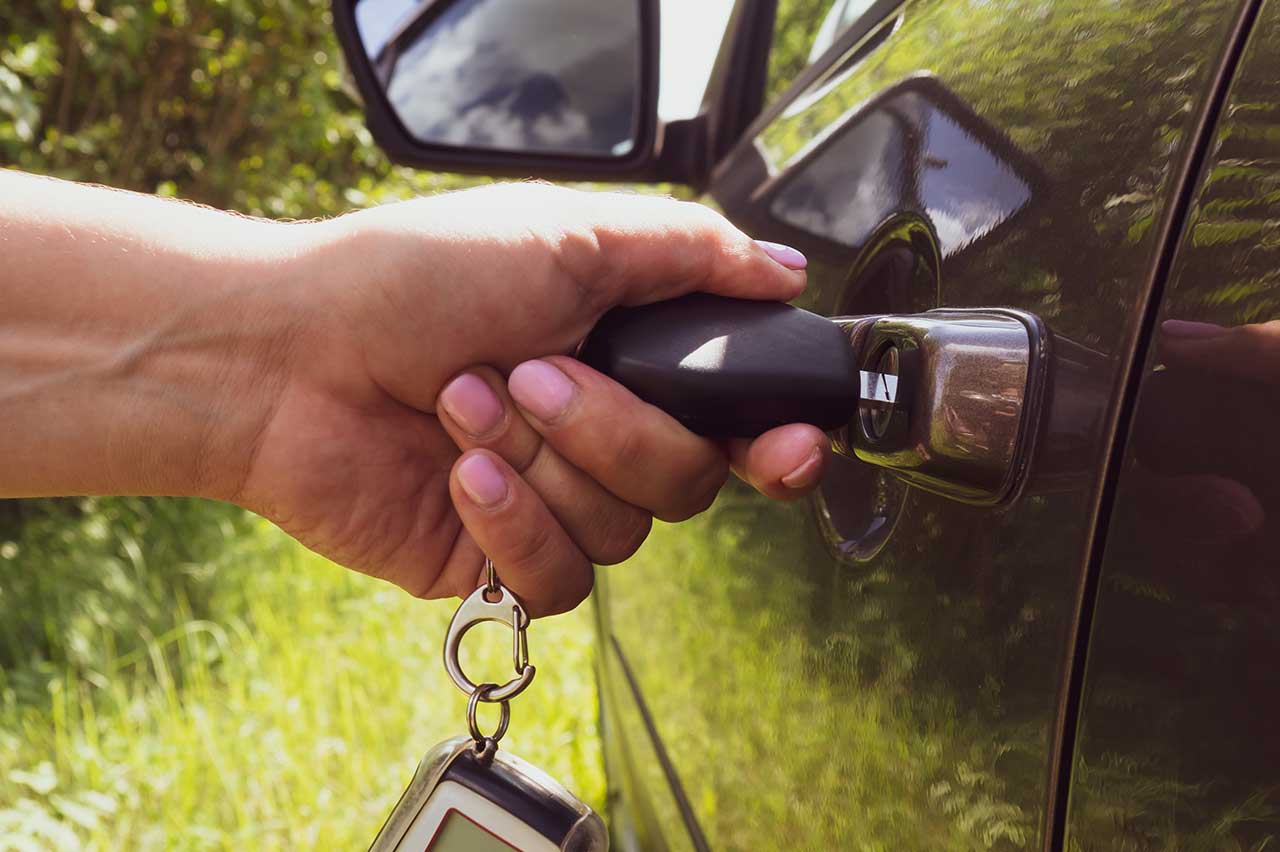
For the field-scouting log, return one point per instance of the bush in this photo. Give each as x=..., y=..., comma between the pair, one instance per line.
x=84, y=584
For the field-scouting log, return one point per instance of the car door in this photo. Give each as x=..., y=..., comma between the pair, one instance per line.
x=885, y=666
x=1178, y=746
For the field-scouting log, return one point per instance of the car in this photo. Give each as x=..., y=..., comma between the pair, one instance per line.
x=1044, y=615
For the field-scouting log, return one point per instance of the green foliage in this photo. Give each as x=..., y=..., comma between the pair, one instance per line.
x=85, y=585
x=796, y=24
x=177, y=674
x=810, y=712
x=289, y=715
x=235, y=103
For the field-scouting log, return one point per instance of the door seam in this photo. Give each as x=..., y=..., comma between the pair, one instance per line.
x=696, y=836
x=1173, y=229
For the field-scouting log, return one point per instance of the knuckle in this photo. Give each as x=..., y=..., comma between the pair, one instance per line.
x=701, y=214
x=632, y=452
x=418, y=586
x=571, y=591
x=532, y=464
x=581, y=584
x=714, y=242
x=577, y=254
x=698, y=496
x=623, y=538
x=533, y=551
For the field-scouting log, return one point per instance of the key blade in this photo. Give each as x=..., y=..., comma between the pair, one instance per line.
x=878, y=387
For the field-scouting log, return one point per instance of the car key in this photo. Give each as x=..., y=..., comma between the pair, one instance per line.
x=729, y=368
x=466, y=796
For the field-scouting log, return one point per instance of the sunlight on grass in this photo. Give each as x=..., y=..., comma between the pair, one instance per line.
x=291, y=719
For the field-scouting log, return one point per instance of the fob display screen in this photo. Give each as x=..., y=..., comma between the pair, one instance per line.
x=456, y=819
x=459, y=834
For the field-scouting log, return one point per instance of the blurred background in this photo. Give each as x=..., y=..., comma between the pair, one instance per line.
x=178, y=673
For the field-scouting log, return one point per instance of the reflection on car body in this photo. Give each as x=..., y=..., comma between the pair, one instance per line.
x=909, y=671
x=911, y=149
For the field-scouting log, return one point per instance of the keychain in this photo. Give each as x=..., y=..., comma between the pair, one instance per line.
x=466, y=796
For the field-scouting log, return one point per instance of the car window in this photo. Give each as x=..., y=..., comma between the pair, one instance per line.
x=802, y=31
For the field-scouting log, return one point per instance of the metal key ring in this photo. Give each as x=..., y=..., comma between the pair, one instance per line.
x=478, y=608
x=483, y=692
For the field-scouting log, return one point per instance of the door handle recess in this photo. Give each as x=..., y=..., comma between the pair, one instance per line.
x=948, y=399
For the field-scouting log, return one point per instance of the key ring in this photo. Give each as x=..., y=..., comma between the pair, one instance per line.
x=485, y=743
x=478, y=607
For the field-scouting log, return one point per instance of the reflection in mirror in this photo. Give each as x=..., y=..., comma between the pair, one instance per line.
x=538, y=76
x=843, y=14
x=911, y=151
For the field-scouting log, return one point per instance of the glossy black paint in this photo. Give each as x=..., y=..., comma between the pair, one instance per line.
x=882, y=667
x=887, y=668
x=915, y=146
x=1178, y=742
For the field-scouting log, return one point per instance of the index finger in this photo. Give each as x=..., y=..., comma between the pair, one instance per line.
x=635, y=249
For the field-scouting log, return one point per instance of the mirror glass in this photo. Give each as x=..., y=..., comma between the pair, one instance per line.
x=532, y=76
x=909, y=152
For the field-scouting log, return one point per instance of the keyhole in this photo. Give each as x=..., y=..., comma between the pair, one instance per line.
x=880, y=414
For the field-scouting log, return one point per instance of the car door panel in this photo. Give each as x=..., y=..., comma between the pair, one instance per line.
x=1178, y=741
x=646, y=806
x=883, y=668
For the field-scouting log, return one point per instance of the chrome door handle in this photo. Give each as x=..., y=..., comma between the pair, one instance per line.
x=948, y=399
x=967, y=387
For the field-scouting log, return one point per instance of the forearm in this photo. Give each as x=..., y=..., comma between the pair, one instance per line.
x=142, y=341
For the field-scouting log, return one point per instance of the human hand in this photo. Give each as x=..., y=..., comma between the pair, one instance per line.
x=1203, y=435
x=359, y=455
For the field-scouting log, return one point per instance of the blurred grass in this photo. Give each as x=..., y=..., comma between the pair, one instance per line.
x=288, y=713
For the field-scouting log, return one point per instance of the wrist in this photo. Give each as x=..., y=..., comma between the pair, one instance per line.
x=143, y=344
x=235, y=345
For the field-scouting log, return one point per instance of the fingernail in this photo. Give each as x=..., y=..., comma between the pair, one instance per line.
x=482, y=481
x=541, y=389
x=801, y=476
x=1188, y=330
x=785, y=255
x=470, y=401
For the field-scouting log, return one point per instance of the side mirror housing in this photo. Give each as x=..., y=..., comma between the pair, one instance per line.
x=562, y=89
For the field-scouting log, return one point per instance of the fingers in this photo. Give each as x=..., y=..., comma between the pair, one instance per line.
x=636, y=451
x=784, y=463
x=632, y=249
x=1249, y=351
x=477, y=412
x=1191, y=508
x=563, y=467
x=511, y=524
x=645, y=249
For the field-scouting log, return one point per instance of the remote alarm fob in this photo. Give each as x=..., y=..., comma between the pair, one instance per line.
x=464, y=799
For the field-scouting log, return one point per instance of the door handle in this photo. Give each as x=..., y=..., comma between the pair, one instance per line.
x=948, y=399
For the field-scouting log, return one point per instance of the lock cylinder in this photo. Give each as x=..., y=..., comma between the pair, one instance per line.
x=949, y=399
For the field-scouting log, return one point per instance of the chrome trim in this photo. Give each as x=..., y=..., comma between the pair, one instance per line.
x=967, y=403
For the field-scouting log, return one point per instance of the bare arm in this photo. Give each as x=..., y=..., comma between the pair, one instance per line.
x=386, y=386
x=141, y=341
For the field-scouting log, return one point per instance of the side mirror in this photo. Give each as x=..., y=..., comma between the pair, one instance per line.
x=552, y=88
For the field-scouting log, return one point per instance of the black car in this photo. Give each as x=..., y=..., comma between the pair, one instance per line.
x=1036, y=603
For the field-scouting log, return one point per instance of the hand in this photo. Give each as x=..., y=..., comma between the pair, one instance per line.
x=359, y=455
x=1203, y=436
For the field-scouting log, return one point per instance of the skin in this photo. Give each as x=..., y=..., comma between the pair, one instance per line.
x=391, y=387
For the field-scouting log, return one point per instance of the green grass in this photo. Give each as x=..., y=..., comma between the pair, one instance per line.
x=287, y=714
